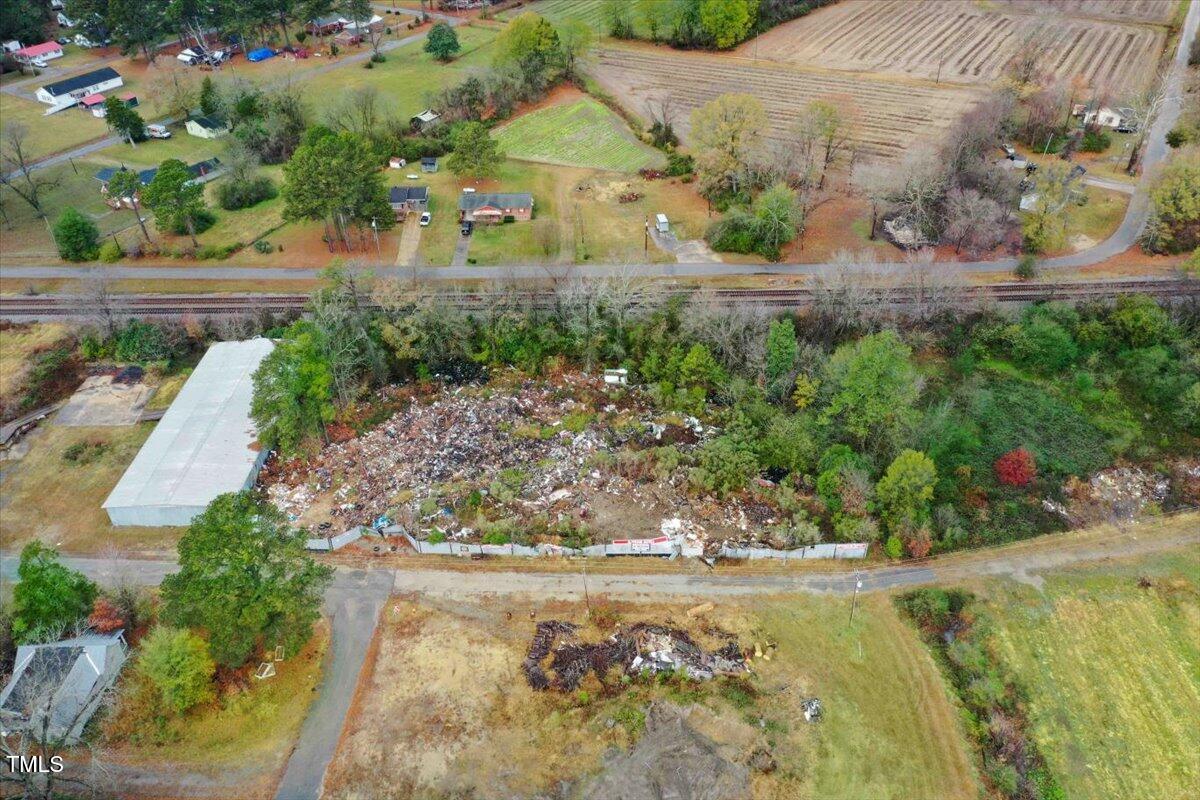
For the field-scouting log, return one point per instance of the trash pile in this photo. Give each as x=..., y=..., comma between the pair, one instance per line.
x=554, y=451
x=642, y=648
x=1111, y=494
x=465, y=434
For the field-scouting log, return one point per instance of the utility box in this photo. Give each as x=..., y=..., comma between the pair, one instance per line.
x=661, y=224
x=616, y=377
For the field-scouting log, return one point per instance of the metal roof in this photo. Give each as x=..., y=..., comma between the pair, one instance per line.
x=81, y=81
x=204, y=444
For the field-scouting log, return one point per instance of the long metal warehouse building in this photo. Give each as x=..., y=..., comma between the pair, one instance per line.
x=204, y=446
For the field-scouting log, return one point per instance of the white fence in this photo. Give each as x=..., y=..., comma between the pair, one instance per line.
x=334, y=542
x=662, y=546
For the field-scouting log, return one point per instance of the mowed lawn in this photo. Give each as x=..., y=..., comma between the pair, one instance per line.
x=1113, y=675
x=581, y=133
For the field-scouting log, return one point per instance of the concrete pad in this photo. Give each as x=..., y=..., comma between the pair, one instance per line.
x=100, y=402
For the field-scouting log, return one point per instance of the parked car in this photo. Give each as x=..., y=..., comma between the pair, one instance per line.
x=63, y=40
x=466, y=228
x=158, y=132
x=37, y=62
x=425, y=218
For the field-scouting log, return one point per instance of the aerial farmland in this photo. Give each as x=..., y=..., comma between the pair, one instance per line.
x=905, y=70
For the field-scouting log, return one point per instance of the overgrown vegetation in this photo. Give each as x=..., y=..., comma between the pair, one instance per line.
x=994, y=705
x=938, y=434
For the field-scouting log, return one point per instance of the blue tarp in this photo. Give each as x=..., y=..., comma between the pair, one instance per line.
x=261, y=54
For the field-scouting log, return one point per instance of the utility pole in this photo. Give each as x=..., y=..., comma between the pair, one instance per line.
x=854, y=600
x=646, y=237
x=375, y=231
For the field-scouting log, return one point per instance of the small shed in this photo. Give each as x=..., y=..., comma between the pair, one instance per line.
x=429, y=164
x=60, y=684
x=426, y=117
x=95, y=104
x=206, y=127
x=661, y=223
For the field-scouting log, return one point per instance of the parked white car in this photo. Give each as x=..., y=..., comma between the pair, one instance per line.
x=64, y=21
x=425, y=218
x=158, y=132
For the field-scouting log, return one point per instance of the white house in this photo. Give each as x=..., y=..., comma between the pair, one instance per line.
x=206, y=127
x=1104, y=116
x=39, y=52
x=66, y=93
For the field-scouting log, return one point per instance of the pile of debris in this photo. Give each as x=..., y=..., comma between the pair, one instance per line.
x=642, y=648
x=1117, y=493
x=465, y=434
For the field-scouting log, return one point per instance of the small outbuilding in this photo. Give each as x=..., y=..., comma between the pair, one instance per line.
x=425, y=118
x=429, y=164
x=204, y=446
x=60, y=684
x=206, y=127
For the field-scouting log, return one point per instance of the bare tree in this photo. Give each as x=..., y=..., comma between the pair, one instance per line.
x=357, y=111
x=1145, y=108
x=935, y=288
x=17, y=170
x=99, y=302
x=849, y=293
x=876, y=180
x=976, y=221
x=736, y=334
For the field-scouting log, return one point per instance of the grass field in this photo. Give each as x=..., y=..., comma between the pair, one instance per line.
x=1113, y=674
x=18, y=345
x=577, y=210
x=45, y=497
x=583, y=133
x=473, y=724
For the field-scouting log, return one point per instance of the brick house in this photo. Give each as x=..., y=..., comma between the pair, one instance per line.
x=492, y=208
x=407, y=199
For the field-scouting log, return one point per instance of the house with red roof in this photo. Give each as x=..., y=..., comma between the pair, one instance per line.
x=39, y=52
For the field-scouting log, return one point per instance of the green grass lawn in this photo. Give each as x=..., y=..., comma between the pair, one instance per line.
x=52, y=134
x=583, y=133
x=28, y=236
x=1100, y=217
x=1113, y=674
x=408, y=75
x=182, y=145
x=593, y=12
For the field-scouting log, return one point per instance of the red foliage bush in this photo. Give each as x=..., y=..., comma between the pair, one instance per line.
x=105, y=617
x=1016, y=468
x=919, y=543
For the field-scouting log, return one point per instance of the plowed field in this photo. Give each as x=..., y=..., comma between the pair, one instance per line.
x=966, y=42
x=891, y=115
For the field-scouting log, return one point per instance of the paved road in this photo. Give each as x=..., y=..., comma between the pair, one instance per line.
x=1125, y=236
x=353, y=603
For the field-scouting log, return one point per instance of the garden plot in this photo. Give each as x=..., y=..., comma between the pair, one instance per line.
x=1157, y=12
x=966, y=42
x=890, y=116
x=581, y=133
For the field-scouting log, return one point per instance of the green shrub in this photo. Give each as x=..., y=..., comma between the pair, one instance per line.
x=111, y=252
x=201, y=221
x=76, y=236
x=1044, y=346
x=232, y=195
x=893, y=547
x=437, y=537
x=679, y=165
x=1095, y=142
x=263, y=246
x=83, y=453
x=177, y=663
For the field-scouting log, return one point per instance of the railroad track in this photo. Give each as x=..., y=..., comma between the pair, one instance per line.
x=166, y=305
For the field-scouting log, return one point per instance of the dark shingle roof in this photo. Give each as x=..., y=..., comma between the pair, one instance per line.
x=147, y=175
x=403, y=194
x=469, y=201
x=208, y=123
x=81, y=81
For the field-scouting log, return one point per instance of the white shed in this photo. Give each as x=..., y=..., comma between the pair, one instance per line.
x=661, y=224
x=204, y=446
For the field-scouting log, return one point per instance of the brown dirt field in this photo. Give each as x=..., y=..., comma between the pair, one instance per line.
x=1154, y=11
x=446, y=710
x=891, y=115
x=968, y=42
